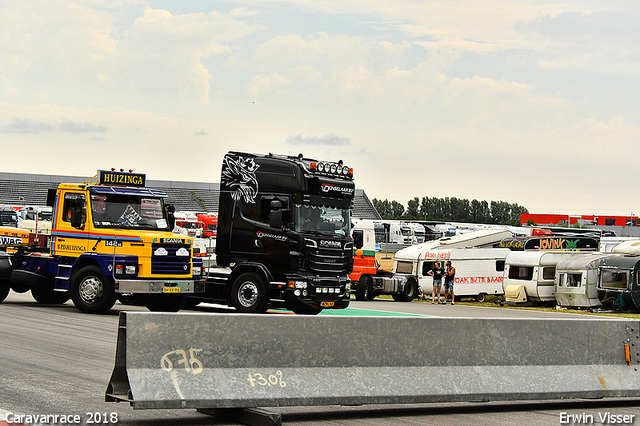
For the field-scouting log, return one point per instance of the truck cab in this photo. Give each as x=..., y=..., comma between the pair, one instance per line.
x=284, y=233
x=110, y=240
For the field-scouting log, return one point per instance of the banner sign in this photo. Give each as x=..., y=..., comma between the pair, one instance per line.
x=121, y=178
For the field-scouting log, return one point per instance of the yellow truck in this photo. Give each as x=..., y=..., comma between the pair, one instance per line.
x=109, y=240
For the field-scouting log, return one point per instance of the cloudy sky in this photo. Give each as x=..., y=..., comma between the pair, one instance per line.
x=535, y=102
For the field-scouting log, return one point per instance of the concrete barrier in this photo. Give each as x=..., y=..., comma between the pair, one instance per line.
x=205, y=361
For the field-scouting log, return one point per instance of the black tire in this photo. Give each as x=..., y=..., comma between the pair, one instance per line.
x=5, y=266
x=49, y=296
x=410, y=291
x=91, y=291
x=165, y=302
x=20, y=278
x=370, y=294
x=481, y=297
x=19, y=288
x=362, y=288
x=5, y=288
x=249, y=293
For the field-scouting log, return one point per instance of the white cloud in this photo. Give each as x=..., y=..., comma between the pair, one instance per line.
x=473, y=99
x=329, y=140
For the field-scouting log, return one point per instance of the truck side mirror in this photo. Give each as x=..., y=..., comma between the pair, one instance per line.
x=358, y=238
x=171, y=216
x=77, y=214
x=275, y=214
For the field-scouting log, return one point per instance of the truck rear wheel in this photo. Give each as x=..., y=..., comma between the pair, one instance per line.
x=19, y=288
x=249, y=293
x=410, y=291
x=21, y=279
x=362, y=288
x=5, y=287
x=91, y=291
x=48, y=296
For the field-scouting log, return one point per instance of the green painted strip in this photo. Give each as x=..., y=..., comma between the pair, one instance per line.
x=370, y=253
x=366, y=313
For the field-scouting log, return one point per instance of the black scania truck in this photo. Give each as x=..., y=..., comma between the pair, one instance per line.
x=284, y=234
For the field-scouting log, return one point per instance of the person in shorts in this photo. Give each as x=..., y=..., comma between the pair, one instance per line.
x=449, y=276
x=437, y=273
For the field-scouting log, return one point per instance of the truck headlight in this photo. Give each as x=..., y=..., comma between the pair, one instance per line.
x=297, y=284
x=125, y=269
x=197, y=270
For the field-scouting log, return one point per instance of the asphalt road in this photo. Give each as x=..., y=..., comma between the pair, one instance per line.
x=55, y=360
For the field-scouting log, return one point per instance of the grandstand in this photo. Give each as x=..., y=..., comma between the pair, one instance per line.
x=21, y=189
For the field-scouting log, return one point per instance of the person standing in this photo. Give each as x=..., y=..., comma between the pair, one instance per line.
x=437, y=273
x=449, y=276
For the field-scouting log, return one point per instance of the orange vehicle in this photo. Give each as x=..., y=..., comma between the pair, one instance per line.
x=210, y=224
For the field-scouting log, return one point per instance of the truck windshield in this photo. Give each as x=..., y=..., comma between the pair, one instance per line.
x=125, y=211
x=322, y=219
x=9, y=218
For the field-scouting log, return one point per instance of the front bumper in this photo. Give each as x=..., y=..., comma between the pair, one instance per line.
x=160, y=286
x=333, y=293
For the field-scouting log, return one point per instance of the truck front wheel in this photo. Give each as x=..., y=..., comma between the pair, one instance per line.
x=249, y=293
x=91, y=291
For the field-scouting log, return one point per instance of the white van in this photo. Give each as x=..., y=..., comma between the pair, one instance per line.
x=535, y=271
x=576, y=282
x=479, y=271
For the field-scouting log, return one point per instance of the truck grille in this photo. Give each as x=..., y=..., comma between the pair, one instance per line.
x=329, y=261
x=166, y=261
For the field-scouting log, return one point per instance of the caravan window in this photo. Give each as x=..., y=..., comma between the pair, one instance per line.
x=499, y=265
x=562, y=278
x=548, y=273
x=426, y=267
x=614, y=278
x=404, y=268
x=521, y=272
x=574, y=280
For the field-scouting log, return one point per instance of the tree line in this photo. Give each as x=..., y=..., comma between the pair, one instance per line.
x=451, y=209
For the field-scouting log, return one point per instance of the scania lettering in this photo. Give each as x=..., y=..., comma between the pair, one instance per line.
x=283, y=237
x=107, y=242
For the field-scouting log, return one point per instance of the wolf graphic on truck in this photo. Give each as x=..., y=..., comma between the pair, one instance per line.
x=240, y=174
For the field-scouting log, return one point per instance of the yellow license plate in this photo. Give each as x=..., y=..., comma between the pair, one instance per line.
x=326, y=304
x=171, y=290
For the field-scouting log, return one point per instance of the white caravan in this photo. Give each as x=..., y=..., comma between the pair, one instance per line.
x=479, y=271
x=631, y=246
x=577, y=279
x=620, y=244
x=535, y=271
x=409, y=264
